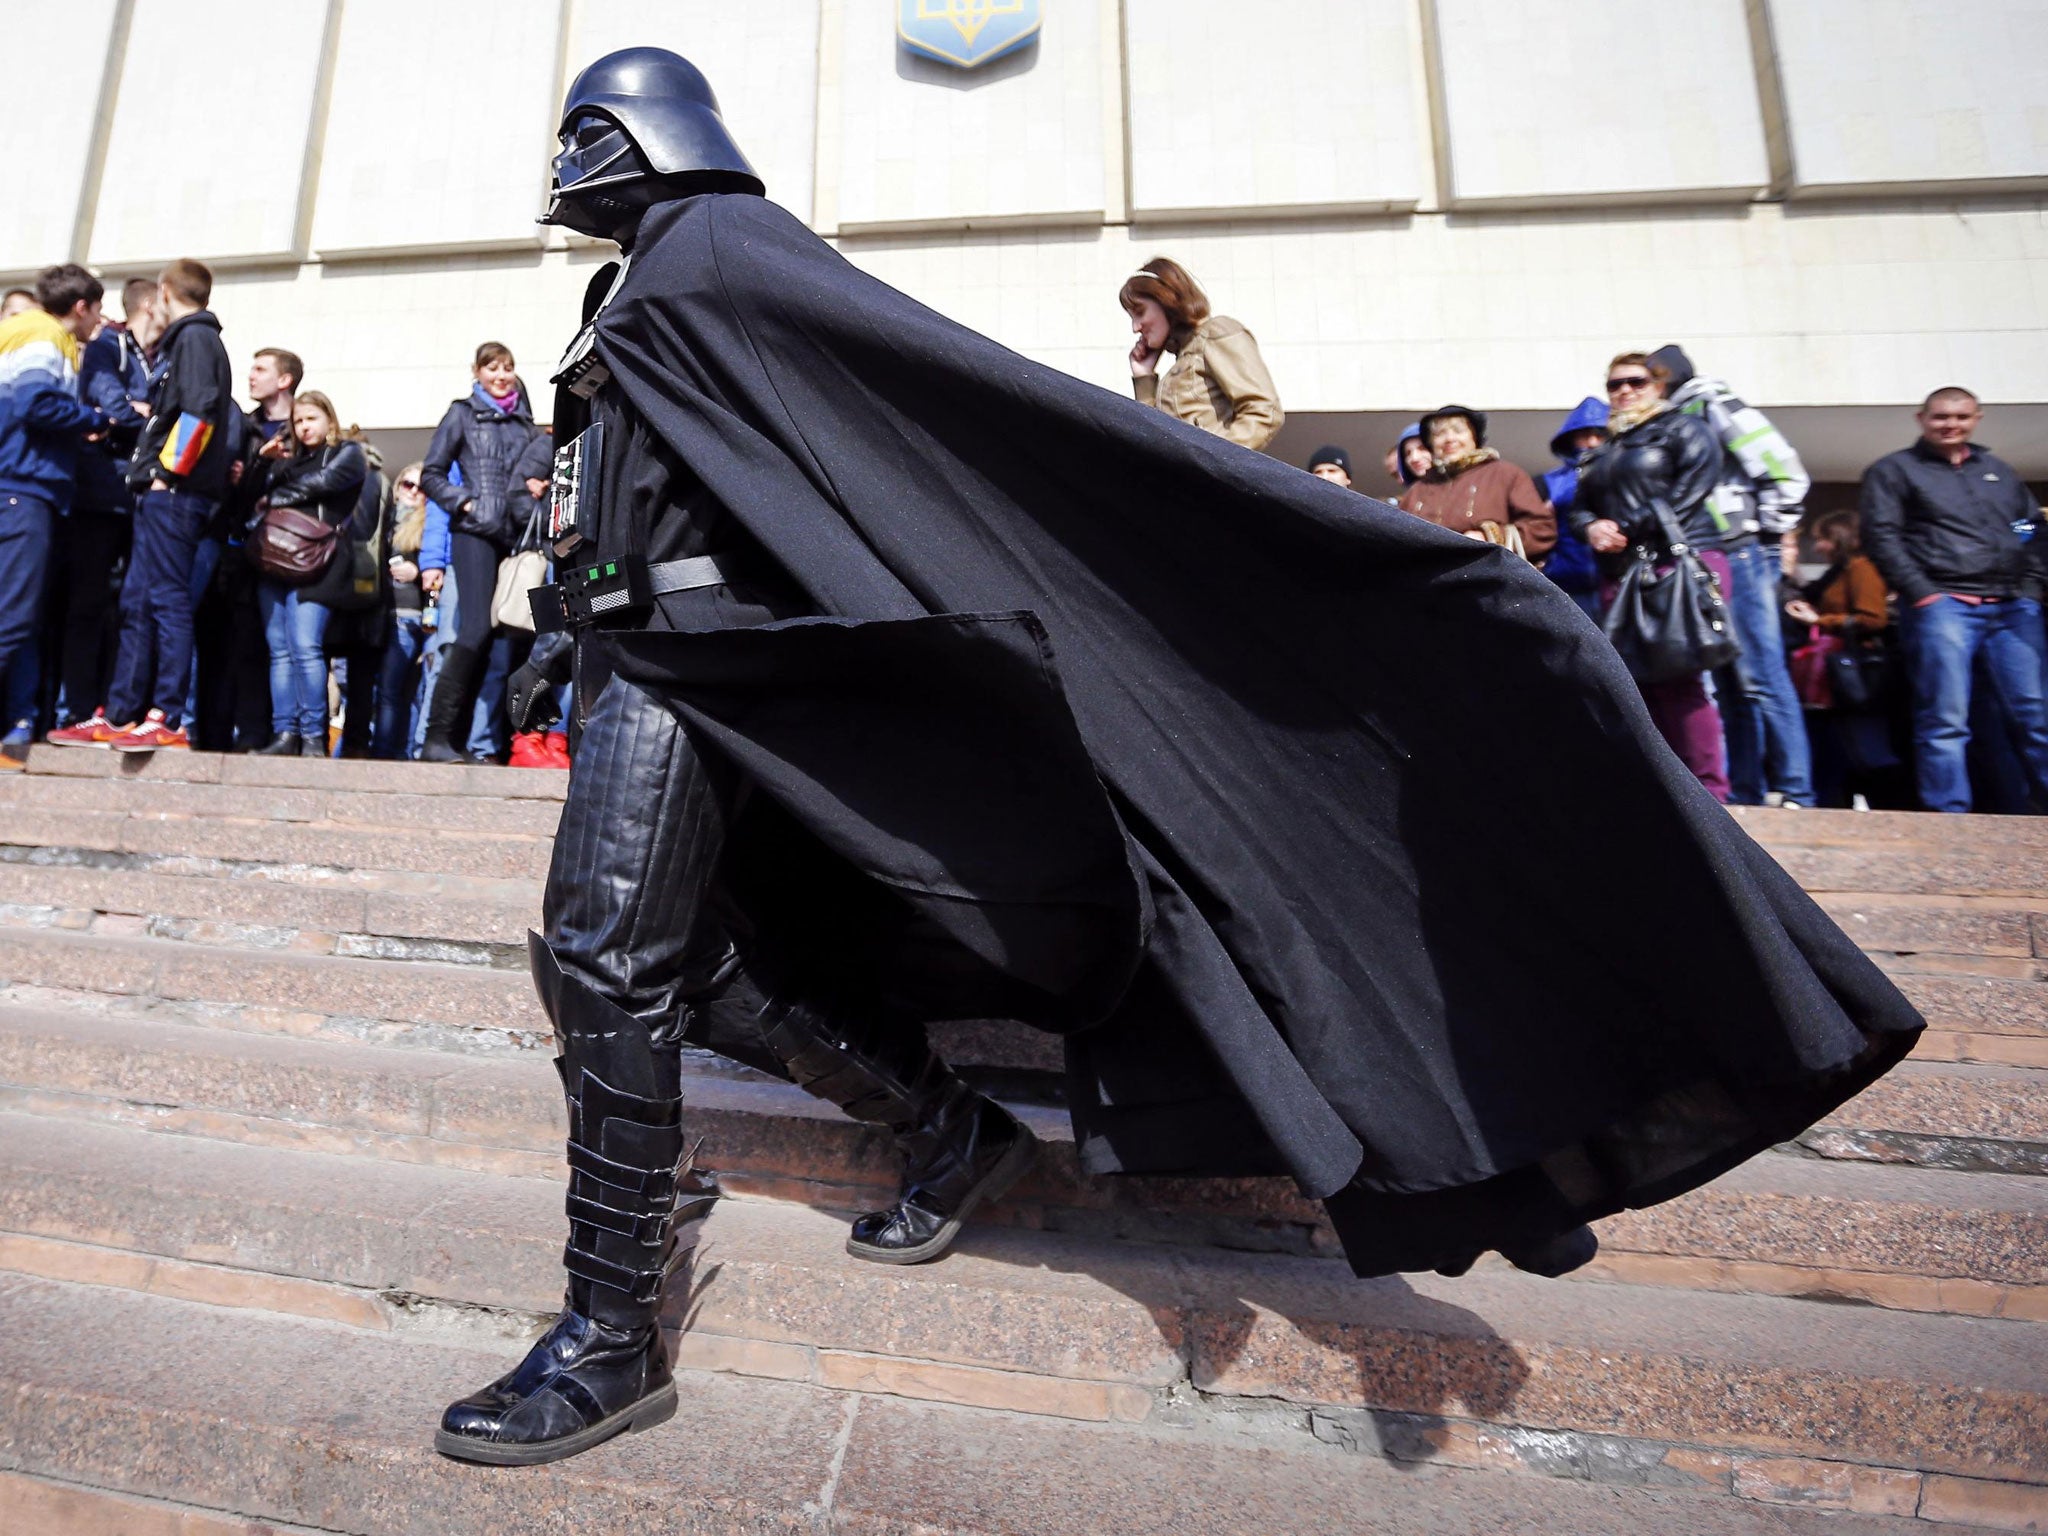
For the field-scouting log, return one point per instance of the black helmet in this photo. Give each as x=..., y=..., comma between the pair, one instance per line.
x=640, y=126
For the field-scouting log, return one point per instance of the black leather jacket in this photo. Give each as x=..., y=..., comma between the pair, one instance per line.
x=1672, y=460
x=496, y=450
x=324, y=482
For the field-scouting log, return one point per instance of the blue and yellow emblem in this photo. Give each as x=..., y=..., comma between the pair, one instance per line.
x=966, y=33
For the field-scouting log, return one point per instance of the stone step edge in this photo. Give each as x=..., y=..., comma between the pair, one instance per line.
x=49, y=1506
x=1891, y=1290
x=307, y=1468
x=527, y=1149
x=1551, y=1347
x=487, y=781
x=517, y=1019
x=1804, y=1482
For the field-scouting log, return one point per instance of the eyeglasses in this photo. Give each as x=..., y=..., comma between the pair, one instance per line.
x=408, y=485
x=1628, y=381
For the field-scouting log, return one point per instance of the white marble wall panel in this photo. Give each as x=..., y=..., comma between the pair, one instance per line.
x=1304, y=105
x=1914, y=94
x=1017, y=140
x=1598, y=101
x=440, y=126
x=51, y=109
x=761, y=58
x=207, y=152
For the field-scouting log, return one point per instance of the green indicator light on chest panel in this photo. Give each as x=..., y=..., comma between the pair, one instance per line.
x=593, y=573
x=611, y=570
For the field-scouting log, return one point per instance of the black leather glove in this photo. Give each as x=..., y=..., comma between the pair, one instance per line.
x=530, y=691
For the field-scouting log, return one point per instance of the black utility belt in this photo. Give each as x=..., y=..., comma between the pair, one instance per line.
x=603, y=591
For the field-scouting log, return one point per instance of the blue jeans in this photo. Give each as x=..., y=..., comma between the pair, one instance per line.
x=397, y=683
x=1766, y=728
x=27, y=523
x=296, y=632
x=1943, y=640
x=154, y=664
x=205, y=561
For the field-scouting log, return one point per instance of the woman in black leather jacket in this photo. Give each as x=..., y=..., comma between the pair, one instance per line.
x=1656, y=458
x=485, y=466
x=322, y=476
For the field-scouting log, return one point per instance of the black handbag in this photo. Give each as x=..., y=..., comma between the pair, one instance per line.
x=1668, y=619
x=1860, y=673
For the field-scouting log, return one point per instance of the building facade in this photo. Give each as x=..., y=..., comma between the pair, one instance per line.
x=1838, y=205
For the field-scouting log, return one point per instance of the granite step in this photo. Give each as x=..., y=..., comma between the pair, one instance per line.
x=495, y=1115
x=241, y=921
x=1777, y=828
x=484, y=780
x=302, y=1425
x=406, y=810
x=1053, y=1323
x=1890, y=1236
x=223, y=901
x=1894, y=923
x=1959, y=1116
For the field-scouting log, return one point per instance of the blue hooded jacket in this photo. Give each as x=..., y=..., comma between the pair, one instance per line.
x=1413, y=429
x=1571, y=564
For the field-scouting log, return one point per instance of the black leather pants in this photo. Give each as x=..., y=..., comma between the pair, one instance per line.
x=633, y=893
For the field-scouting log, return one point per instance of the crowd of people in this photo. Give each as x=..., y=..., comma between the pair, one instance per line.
x=179, y=570
x=1908, y=671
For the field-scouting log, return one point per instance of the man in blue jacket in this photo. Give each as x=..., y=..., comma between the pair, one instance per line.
x=180, y=469
x=113, y=377
x=43, y=423
x=1570, y=564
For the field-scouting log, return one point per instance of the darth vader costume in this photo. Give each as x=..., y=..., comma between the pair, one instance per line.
x=919, y=681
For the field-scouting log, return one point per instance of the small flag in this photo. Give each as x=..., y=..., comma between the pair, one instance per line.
x=187, y=443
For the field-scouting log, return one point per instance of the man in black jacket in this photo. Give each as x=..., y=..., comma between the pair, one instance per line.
x=180, y=470
x=1943, y=521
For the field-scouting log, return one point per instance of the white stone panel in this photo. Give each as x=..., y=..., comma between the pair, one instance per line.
x=761, y=58
x=1914, y=94
x=52, y=103
x=440, y=126
x=208, y=147
x=1019, y=140
x=1299, y=106
x=1598, y=101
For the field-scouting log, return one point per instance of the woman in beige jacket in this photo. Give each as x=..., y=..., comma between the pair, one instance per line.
x=1218, y=381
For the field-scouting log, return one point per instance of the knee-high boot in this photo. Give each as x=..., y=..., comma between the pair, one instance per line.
x=959, y=1148
x=635, y=1204
x=448, y=713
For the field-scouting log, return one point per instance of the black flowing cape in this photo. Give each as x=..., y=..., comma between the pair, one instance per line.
x=1335, y=844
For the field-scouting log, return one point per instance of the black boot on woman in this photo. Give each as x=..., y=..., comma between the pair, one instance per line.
x=283, y=744
x=454, y=701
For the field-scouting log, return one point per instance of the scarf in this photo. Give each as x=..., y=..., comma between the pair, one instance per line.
x=1452, y=467
x=506, y=406
x=1620, y=421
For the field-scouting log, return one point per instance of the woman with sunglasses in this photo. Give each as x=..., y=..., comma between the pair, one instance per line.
x=398, y=676
x=1658, y=458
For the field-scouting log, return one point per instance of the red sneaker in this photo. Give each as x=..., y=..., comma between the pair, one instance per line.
x=558, y=749
x=529, y=751
x=149, y=736
x=95, y=732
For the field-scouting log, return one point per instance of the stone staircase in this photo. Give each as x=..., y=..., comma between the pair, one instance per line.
x=281, y=1155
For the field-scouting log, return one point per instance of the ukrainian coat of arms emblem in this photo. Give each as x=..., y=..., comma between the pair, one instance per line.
x=966, y=33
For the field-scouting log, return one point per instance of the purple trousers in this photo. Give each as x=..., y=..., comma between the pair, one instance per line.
x=1683, y=713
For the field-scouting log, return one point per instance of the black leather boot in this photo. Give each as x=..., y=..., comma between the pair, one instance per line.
x=1555, y=1256
x=635, y=1204
x=313, y=746
x=283, y=744
x=959, y=1148
x=448, y=712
